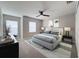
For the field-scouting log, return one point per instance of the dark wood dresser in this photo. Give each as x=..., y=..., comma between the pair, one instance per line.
x=9, y=50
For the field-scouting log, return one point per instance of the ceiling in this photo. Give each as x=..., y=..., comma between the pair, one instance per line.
x=31, y=8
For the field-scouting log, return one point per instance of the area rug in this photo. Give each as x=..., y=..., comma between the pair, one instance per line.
x=57, y=53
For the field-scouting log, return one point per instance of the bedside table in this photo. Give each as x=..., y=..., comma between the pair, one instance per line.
x=67, y=39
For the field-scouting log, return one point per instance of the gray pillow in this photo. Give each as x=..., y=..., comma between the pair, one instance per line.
x=55, y=33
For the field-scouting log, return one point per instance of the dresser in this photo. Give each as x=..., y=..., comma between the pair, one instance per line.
x=9, y=50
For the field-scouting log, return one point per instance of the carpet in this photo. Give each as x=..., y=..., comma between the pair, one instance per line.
x=57, y=53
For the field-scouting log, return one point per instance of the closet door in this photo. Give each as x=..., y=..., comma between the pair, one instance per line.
x=1, y=23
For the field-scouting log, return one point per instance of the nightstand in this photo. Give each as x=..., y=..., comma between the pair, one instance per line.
x=67, y=39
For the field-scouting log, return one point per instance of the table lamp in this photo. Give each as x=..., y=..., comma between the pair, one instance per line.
x=42, y=28
x=67, y=30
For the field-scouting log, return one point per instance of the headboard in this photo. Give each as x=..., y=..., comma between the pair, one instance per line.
x=57, y=29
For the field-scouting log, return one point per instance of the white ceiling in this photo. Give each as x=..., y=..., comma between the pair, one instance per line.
x=31, y=8
x=60, y=8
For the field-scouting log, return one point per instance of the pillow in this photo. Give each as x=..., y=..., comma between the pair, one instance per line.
x=48, y=32
x=55, y=33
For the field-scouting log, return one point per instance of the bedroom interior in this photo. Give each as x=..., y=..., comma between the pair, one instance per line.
x=45, y=29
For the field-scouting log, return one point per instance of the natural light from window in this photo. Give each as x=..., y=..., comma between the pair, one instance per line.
x=13, y=25
x=32, y=26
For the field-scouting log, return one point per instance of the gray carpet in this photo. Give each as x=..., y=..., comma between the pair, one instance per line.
x=74, y=52
x=27, y=51
x=57, y=53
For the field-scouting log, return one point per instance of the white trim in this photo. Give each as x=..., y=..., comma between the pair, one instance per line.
x=21, y=22
x=1, y=20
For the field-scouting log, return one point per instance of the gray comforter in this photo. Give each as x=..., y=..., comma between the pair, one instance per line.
x=47, y=40
x=45, y=37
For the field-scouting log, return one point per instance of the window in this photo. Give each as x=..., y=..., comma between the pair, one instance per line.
x=32, y=26
x=56, y=22
x=13, y=26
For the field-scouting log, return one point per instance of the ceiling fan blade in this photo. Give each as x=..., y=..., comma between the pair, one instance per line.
x=46, y=15
x=38, y=15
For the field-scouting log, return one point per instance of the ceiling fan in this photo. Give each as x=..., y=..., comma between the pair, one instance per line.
x=42, y=13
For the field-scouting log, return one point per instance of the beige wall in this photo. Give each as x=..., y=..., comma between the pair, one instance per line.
x=26, y=21
x=77, y=30
x=1, y=23
x=14, y=18
x=68, y=21
x=64, y=21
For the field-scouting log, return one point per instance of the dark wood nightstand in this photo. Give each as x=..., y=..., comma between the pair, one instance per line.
x=67, y=39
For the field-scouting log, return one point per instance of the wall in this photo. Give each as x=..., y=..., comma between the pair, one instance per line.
x=14, y=18
x=46, y=24
x=68, y=21
x=1, y=23
x=26, y=21
x=77, y=30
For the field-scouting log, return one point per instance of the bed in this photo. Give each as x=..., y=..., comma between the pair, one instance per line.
x=47, y=39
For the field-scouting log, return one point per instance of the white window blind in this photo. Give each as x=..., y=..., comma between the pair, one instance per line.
x=13, y=25
x=32, y=26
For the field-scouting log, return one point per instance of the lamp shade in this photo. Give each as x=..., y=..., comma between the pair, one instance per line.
x=42, y=28
x=67, y=29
